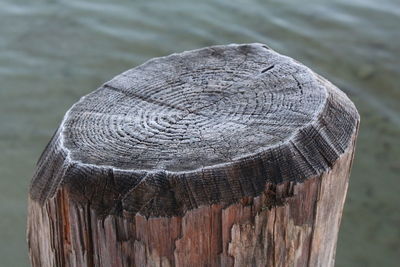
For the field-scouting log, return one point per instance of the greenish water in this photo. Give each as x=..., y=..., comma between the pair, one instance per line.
x=53, y=52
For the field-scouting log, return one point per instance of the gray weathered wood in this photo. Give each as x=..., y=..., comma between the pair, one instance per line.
x=229, y=155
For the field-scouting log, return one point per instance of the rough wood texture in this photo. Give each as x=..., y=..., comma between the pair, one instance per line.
x=224, y=156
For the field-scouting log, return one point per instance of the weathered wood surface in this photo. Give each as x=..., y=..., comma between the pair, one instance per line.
x=224, y=156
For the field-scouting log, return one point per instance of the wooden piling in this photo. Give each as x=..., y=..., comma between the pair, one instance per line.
x=224, y=156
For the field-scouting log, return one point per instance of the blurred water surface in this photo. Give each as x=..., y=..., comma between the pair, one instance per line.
x=52, y=52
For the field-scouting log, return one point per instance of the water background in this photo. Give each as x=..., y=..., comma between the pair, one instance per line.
x=52, y=52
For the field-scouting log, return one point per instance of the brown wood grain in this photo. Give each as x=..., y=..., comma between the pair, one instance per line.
x=223, y=156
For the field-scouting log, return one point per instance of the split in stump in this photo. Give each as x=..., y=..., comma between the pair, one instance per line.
x=224, y=156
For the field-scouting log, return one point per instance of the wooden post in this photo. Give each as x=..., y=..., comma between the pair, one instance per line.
x=224, y=156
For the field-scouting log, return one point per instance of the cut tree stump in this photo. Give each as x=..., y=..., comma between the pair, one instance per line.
x=224, y=156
